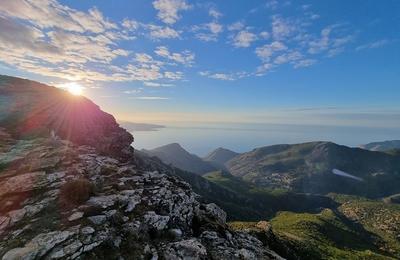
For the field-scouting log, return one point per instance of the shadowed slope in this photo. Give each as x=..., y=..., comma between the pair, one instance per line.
x=32, y=109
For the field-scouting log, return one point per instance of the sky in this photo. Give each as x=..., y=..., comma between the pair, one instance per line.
x=193, y=62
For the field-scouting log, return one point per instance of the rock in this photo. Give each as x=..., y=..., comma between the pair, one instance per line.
x=32, y=210
x=16, y=215
x=175, y=233
x=38, y=246
x=103, y=201
x=55, y=176
x=98, y=220
x=153, y=214
x=75, y=216
x=156, y=221
x=133, y=201
x=4, y=221
x=87, y=230
x=91, y=246
x=73, y=247
x=217, y=212
x=185, y=249
x=23, y=182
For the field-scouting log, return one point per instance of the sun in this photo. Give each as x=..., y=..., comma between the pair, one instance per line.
x=74, y=88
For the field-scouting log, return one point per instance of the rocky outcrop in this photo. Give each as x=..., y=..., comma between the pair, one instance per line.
x=73, y=202
x=32, y=109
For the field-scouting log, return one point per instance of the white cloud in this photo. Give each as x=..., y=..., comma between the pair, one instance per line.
x=243, y=39
x=208, y=31
x=152, y=98
x=236, y=26
x=214, y=13
x=173, y=75
x=264, y=68
x=50, y=14
x=224, y=76
x=304, y=63
x=272, y=4
x=373, y=45
x=130, y=24
x=186, y=57
x=143, y=58
x=156, y=84
x=160, y=32
x=328, y=42
x=266, y=51
x=264, y=35
x=168, y=10
x=215, y=27
x=132, y=91
x=282, y=28
x=288, y=57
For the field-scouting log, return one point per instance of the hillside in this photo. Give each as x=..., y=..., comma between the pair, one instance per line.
x=220, y=155
x=357, y=229
x=178, y=157
x=30, y=109
x=382, y=146
x=309, y=168
x=65, y=198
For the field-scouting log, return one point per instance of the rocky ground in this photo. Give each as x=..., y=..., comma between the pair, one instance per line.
x=65, y=201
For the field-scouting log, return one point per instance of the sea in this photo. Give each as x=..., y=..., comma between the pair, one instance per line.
x=201, y=139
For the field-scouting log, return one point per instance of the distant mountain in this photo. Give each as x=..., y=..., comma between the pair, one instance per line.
x=308, y=167
x=382, y=146
x=132, y=127
x=220, y=155
x=175, y=155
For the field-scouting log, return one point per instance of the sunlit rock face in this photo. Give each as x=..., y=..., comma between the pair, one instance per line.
x=30, y=109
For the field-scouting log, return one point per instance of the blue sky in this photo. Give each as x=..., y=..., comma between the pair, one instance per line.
x=185, y=61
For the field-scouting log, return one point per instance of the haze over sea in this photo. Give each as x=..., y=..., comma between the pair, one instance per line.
x=202, y=138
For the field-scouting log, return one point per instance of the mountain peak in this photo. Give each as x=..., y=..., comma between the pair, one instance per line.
x=220, y=155
x=33, y=110
x=176, y=155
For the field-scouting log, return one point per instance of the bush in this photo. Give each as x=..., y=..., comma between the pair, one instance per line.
x=76, y=192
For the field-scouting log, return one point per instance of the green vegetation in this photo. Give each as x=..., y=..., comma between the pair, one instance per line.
x=266, y=202
x=335, y=226
x=379, y=218
x=227, y=181
x=326, y=235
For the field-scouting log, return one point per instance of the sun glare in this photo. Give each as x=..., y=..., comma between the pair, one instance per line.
x=74, y=88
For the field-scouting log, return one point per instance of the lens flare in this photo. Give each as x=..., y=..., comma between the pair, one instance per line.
x=74, y=88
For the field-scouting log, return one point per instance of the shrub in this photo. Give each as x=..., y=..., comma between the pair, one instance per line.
x=76, y=192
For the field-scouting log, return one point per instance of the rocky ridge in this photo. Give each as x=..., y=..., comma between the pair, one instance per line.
x=29, y=109
x=65, y=201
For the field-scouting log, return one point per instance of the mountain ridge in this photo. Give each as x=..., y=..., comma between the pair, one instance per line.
x=220, y=155
x=177, y=156
x=382, y=146
x=71, y=198
x=35, y=109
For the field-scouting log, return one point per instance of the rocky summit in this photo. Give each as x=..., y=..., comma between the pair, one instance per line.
x=74, y=196
x=30, y=109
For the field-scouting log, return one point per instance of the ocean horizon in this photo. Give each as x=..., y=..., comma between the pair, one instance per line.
x=201, y=139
